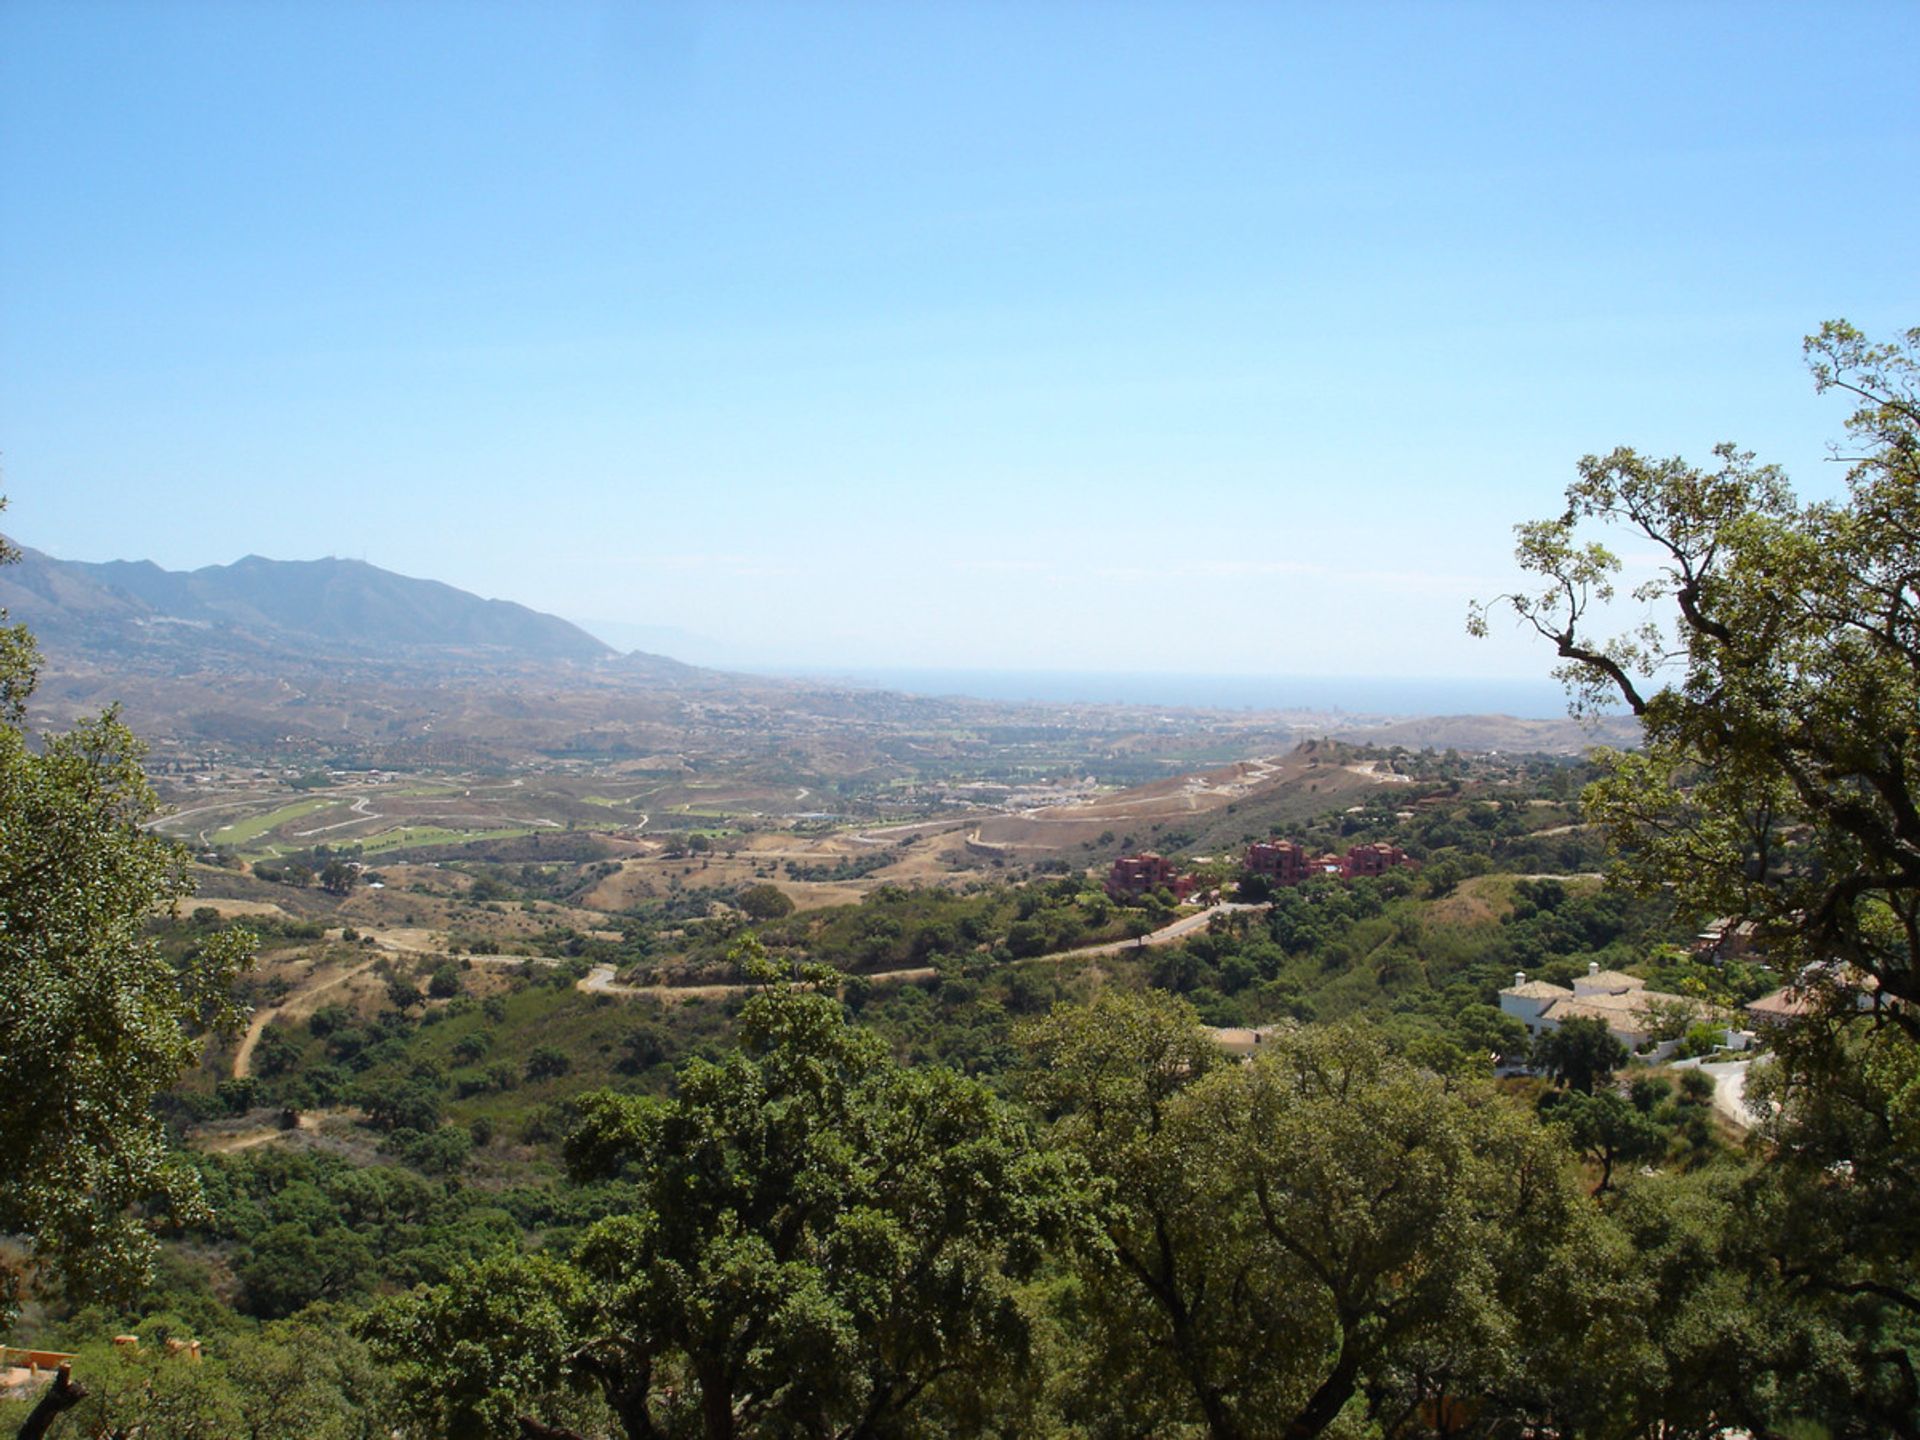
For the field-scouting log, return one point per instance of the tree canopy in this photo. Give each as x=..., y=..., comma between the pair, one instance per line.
x=1323, y=1231
x=1779, y=778
x=815, y=1240
x=1580, y=1053
x=1777, y=687
x=95, y=1021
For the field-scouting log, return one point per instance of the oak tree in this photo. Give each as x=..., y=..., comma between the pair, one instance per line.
x=95, y=1021
x=1777, y=685
x=1580, y=1052
x=1324, y=1232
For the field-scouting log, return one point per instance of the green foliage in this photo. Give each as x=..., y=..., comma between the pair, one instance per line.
x=1779, y=782
x=304, y=1379
x=895, y=927
x=1838, y=1207
x=469, y=1357
x=338, y=878
x=412, y=1103
x=815, y=1240
x=293, y=1264
x=95, y=1021
x=1605, y=1129
x=442, y=1150
x=765, y=902
x=1649, y=1092
x=1322, y=1231
x=1580, y=1053
x=1376, y=949
x=1778, y=777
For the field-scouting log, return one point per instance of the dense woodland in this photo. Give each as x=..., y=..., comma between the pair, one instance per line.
x=1027, y=1196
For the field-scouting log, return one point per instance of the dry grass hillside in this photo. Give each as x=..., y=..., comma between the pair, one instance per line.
x=1310, y=780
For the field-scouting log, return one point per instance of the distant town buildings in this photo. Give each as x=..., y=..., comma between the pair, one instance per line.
x=1781, y=1007
x=1239, y=1041
x=1727, y=939
x=23, y=1372
x=1284, y=862
x=1369, y=860
x=1817, y=989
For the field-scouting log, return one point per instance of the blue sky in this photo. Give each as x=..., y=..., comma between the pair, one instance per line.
x=1172, y=337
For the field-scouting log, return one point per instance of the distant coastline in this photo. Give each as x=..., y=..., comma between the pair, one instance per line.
x=1540, y=699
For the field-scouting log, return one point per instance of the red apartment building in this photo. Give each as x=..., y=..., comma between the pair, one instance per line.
x=1286, y=863
x=1366, y=860
x=1137, y=874
x=1281, y=861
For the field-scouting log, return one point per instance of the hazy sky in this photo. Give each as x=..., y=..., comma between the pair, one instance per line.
x=1184, y=336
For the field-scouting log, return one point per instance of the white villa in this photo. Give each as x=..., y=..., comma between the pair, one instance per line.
x=1630, y=1011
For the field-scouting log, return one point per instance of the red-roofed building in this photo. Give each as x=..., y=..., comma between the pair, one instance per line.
x=1137, y=874
x=1287, y=863
x=1368, y=860
x=1281, y=861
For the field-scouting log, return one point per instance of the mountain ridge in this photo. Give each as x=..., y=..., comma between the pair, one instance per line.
x=118, y=609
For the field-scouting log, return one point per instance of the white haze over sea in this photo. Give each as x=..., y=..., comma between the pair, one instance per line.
x=1540, y=699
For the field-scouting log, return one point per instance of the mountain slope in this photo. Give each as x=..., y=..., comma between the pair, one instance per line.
x=257, y=607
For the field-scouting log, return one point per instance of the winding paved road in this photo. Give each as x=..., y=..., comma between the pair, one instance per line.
x=359, y=812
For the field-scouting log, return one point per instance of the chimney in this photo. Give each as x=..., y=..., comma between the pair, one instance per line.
x=1593, y=967
x=1519, y=978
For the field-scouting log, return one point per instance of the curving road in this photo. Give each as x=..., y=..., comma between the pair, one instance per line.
x=600, y=980
x=1730, y=1090
x=359, y=812
x=298, y=1003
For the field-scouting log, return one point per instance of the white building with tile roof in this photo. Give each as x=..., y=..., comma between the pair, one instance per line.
x=1633, y=1014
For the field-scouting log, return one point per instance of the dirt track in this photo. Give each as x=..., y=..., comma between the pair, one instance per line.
x=301, y=1002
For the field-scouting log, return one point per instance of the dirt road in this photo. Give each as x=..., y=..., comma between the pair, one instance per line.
x=600, y=980
x=299, y=1003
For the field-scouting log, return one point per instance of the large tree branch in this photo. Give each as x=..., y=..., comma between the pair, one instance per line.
x=1326, y=1403
x=62, y=1395
x=625, y=1388
x=1877, y=399
x=1571, y=649
x=1185, y=1340
x=1905, y=1299
x=887, y=1402
x=1687, y=596
x=1270, y=1222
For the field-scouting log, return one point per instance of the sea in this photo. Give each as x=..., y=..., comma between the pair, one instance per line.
x=1372, y=695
